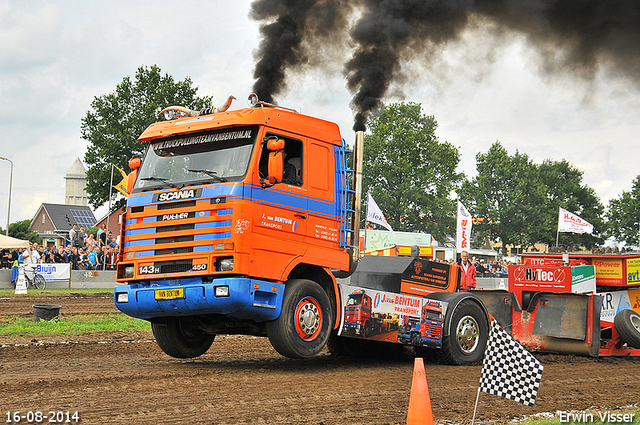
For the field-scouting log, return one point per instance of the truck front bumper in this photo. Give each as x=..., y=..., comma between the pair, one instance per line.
x=238, y=297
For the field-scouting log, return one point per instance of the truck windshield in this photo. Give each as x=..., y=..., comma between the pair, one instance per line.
x=216, y=156
x=355, y=299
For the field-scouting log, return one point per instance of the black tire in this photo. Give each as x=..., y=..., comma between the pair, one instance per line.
x=366, y=329
x=627, y=323
x=303, y=327
x=468, y=335
x=415, y=339
x=39, y=282
x=179, y=337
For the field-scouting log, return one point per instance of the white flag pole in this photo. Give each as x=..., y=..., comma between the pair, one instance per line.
x=475, y=409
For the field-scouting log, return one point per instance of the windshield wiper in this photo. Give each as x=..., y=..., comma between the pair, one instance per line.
x=210, y=174
x=163, y=180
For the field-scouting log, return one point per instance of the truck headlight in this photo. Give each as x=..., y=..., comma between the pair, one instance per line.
x=122, y=297
x=222, y=291
x=128, y=272
x=224, y=264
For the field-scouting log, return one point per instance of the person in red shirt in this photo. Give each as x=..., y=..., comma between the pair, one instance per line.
x=467, y=272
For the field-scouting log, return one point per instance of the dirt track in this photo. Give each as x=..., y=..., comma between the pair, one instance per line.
x=118, y=378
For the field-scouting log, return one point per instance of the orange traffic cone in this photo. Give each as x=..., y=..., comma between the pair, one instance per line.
x=420, y=412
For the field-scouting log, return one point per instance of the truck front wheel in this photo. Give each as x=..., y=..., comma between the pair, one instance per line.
x=303, y=327
x=181, y=338
x=468, y=335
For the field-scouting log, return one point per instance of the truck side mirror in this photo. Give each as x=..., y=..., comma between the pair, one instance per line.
x=135, y=162
x=276, y=167
x=276, y=161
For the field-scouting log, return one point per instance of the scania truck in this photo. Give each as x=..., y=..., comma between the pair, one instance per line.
x=246, y=222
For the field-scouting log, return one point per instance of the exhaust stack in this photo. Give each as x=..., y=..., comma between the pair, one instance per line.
x=357, y=198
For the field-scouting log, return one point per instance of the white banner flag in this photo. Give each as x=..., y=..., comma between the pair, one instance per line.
x=463, y=233
x=374, y=214
x=569, y=222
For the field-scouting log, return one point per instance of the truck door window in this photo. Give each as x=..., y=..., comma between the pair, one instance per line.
x=292, y=160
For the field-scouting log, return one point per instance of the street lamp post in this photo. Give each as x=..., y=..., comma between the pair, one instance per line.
x=10, y=184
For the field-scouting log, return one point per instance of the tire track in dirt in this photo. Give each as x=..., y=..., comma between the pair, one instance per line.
x=123, y=377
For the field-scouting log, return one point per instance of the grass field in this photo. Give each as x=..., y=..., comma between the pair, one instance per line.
x=71, y=325
x=60, y=291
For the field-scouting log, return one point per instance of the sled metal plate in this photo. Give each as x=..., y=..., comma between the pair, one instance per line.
x=562, y=317
x=169, y=294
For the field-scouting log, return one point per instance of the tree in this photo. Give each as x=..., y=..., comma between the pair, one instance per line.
x=623, y=216
x=565, y=189
x=409, y=172
x=22, y=230
x=115, y=121
x=506, y=197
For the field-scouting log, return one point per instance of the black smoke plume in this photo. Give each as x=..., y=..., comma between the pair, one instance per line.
x=578, y=37
x=294, y=35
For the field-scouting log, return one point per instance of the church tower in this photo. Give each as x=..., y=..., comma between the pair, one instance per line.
x=76, y=181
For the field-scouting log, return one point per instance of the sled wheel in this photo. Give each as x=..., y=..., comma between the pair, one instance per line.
x=627, y=323
x=181, y=338
x=303, y=327
x=468, y=335
x=39, y=282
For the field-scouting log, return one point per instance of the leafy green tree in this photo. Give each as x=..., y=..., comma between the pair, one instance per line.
x=115, y=121
x=409, y=172
x=506, y=196
x=22, y=230
x=565, y=189
x=623, y=216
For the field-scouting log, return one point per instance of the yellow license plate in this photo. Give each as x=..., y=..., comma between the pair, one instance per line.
x=169, y=294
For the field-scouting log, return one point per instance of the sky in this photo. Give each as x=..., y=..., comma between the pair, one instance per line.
x=57, y=56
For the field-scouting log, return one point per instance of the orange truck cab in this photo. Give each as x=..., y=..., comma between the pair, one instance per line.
x=225, y=209
x=240, y=222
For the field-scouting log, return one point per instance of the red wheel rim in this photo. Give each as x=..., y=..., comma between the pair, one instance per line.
x=308, y=318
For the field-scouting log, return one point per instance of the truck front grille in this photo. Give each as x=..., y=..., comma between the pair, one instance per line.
x=175, y=266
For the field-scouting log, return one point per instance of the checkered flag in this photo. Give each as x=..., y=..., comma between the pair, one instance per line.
x=508, y=369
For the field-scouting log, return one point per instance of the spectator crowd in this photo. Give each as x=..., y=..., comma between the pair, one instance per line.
x=83, y=252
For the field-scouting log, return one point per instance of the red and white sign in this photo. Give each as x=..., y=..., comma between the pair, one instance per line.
x=463, y=233
x=569, y=222
x=530, y=278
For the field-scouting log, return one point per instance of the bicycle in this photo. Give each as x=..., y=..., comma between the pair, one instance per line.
x=37, y=281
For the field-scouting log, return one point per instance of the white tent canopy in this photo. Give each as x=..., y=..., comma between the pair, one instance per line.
x=9, y=242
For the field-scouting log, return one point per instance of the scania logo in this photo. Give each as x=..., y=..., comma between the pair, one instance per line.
x=177, y=195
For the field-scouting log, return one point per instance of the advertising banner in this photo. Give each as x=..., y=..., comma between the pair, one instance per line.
x=583, y=279
x=392, y=317
x=633, y=271
x=375, y=215
x=570, y=222
x=51, y=271
x=608, y=271
x=612, y=304
x=525, y=278
x=463, y=228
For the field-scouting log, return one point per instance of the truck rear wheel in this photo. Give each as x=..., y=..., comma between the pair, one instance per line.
x=304, y=324
x=468, y=335
x=180, y=337
x=627, y=323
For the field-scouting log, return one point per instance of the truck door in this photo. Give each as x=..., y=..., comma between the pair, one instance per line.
x=280, y=216
x=323, y=229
